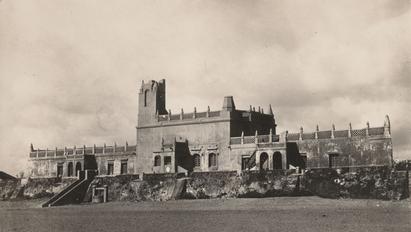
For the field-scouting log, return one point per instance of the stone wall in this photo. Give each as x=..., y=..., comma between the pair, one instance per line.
x=374, y=183
x=355, y=151
x=208, y=131
x=158, y=187
x=117, y=186
x=7, y=188
x=369, y=182
x=45, y=187
x=248, y=184
x=103, y=159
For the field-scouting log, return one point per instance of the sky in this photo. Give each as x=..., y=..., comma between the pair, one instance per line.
x=70, y=71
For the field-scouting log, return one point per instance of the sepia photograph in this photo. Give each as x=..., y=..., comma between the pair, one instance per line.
x=205, y=115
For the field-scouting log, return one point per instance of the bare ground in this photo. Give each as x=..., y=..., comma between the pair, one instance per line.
x=265, y=214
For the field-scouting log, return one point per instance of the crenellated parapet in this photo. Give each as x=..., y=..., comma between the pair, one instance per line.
x=334, y=134
x=228, y=112
x=78, y=151
x=188, y=116
x=318, y=134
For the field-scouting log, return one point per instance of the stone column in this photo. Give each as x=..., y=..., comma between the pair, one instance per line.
x=242, y=137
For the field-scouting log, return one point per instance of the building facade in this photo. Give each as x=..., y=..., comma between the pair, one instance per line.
x=227, y=139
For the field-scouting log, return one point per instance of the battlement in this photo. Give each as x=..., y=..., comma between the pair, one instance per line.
x=185, y=116
x=206, y=114
x=368, y=131
x=78, y=151
x=152, y=97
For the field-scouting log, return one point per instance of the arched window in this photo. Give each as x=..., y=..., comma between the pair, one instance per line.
x=157, y=161
x=70, y=169
x=277, y=160
x=263, y=161
x=78, y=167
x=212, y=160
x=197, y=160
x=145, y=97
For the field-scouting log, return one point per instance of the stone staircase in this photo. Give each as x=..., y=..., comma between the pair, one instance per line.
x=252, y=162
x=75, y=192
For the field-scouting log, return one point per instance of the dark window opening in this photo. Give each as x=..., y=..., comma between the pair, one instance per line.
x=167, y=160
x=123, y=167
x=145, y=97
x=157, y=161
x=110, y=168
x=197, y=160
x=212, y=160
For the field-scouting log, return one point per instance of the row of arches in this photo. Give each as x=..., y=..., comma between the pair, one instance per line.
x=212, y=160
x=277, y=161
x=70, y=169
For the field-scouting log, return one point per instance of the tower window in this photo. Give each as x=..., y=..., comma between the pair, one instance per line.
x=145, y=97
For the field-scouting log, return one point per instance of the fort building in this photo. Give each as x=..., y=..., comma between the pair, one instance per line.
x=222, y=140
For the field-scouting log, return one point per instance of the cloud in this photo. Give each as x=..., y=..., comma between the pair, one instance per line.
x=70, y=72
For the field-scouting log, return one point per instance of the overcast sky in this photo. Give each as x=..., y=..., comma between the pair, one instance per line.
x=70, y=70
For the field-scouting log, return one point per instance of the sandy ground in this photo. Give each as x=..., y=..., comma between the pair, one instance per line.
x=268, y=214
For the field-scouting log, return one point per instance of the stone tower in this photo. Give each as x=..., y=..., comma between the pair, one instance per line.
x=151, y=102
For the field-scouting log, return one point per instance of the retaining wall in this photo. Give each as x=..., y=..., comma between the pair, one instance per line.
x=367, y=182
x=7, y=188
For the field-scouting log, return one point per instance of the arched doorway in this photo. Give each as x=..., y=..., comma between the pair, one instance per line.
x=70, y=169
x=78, y=167
x=264, y=161
x=277, y=160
